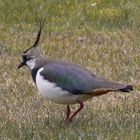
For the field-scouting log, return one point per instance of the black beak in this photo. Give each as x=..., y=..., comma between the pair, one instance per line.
x=21, y=65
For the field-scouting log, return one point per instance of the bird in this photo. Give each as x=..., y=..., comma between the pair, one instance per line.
x=64, y=82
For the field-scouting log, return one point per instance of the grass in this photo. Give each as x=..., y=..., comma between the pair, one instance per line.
x=101, y=35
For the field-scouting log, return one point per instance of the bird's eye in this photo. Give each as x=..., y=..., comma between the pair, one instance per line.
x=28, y=58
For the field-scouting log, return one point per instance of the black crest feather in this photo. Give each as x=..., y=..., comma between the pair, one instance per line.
x=40, y=23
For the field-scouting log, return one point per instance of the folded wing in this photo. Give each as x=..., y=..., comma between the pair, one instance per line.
x=77, y=80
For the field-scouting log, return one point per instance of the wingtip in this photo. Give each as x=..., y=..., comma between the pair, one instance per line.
x=130, y=87
x=127, y=88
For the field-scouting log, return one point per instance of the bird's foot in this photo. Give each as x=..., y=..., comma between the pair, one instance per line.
x=68, y=120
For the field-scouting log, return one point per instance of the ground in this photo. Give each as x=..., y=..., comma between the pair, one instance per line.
x=103, y=36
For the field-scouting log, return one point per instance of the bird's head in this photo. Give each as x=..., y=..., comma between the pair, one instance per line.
x=30, y=55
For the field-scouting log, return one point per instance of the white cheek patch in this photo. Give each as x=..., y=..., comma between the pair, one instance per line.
x=31, y=63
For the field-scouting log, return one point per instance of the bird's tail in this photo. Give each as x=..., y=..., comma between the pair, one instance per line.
x=126, y=88
x=100, y=82
x=103, y=86
x=112, y=88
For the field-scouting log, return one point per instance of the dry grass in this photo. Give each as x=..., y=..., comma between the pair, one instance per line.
x=111, y=53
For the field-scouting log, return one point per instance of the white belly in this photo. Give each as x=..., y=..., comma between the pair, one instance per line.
x=56, y=94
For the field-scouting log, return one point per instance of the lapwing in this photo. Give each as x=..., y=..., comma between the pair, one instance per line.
x=64, y=82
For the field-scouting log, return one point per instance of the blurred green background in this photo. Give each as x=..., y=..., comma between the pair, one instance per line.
x=101, y=35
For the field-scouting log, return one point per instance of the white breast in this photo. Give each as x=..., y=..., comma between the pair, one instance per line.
x=56, y=94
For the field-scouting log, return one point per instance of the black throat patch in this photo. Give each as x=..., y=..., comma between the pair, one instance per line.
x=33, y=73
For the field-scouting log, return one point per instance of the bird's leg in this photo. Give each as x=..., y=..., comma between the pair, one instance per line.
x=68, y=113
x=76, y=112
